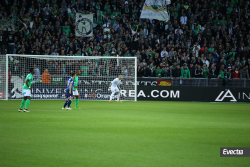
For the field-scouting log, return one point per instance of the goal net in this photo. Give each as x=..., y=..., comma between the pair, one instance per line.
x=52, y=73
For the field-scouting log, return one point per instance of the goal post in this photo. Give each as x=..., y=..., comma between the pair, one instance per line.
x=3, y=78
x=52, y=73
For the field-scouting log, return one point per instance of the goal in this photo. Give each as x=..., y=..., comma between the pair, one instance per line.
x=52, y=73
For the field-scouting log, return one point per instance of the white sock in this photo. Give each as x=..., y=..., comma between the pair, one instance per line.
x=111, y=96
x=118, y=97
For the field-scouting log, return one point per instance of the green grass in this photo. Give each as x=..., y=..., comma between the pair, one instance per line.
x=130, y=134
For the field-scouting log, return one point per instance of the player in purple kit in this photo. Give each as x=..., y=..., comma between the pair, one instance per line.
x=69, y=92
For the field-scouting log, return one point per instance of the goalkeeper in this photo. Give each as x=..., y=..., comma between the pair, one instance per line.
x=76, y=94
x=114, y=88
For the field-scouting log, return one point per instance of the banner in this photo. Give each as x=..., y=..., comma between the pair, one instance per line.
x=199, y=94
x=154, y=82
x=7, y=22
x=148, y=93
x=57, y=80
x=155, y=9
x=2, y=95
x=163, y=82
x=84, y=25
x=87, y=92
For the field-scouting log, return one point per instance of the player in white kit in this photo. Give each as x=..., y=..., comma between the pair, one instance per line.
x=114, y=88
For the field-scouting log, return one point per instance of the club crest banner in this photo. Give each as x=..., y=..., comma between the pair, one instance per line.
x=84, y=25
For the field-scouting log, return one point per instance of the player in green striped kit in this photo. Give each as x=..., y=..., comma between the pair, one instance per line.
x=76, y=94
x=27, y=91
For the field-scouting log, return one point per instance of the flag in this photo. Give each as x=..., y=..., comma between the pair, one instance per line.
x=84, y=25
x=155, y=9
x=95, y=23
x=24, y=24
x=100, y=16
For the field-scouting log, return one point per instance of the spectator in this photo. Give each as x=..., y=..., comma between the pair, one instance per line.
x=199, y=61
x=196, y=49
x=177, y=72
x=248, y=65
x=205, y=71
x=183, y=19
x=227, y=76
x=203, y=34
x=198, y=72
x=85, y=69
x=46, y=78
x=144, y=72
x=127, y=54
x=185, y=73
x=78, y=53
x=244, y=73
x=243, y=62
x=212, y=72
x=158, y=72
x=63, y=70
x=236, y=73
x=2, y=42
x=164, y=53
x=245, y=53
x=11, y=41
x=222, y=62
x=165, y=71
x=170, y=72
x=58, y=70
x=139, y=71
x=221, y=74
x=205, y=61
x=184, y=61
x=151, y=70
x=37, y=72
x=70, y=48
x=192, y=70
x=143, y=64
x=106, y=25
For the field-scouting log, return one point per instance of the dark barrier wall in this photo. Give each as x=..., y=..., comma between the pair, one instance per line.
x=91, y=90
x=154, y=93
x=203, y=94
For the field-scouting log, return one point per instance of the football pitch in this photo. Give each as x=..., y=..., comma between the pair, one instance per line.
x=128, y=134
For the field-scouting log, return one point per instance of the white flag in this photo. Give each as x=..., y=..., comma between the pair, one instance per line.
x=155, y=9
x=84, y=25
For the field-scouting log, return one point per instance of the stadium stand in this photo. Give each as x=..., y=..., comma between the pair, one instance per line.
x=210, y=38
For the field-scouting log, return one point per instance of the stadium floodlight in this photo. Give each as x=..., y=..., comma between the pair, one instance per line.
x=52, y=73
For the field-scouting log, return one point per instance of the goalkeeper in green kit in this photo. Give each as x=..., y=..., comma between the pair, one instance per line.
x=76, y=94
x=27, y=91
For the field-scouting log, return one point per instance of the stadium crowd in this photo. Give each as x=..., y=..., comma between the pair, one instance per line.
x=202, y=39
